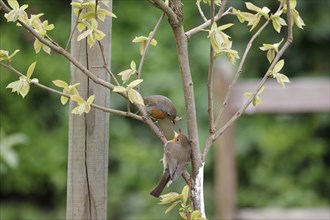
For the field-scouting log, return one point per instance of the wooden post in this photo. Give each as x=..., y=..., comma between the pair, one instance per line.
x=89, y=134
x=225, y=167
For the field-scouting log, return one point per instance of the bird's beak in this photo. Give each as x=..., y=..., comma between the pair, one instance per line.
x=176, y=119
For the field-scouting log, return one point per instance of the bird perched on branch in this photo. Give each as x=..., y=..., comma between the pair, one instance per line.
x=177, y=155
x=160, y=107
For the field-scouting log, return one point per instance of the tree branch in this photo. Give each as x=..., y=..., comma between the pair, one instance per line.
x=105, y=65
x=206, y=24
x=198, y=4
x=147, y=46
x=210, y=79
x=102, y=108
x=166, y=9
x=72, y=32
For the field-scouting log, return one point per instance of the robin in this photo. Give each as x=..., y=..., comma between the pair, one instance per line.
x=160, y=107
x=177, y=155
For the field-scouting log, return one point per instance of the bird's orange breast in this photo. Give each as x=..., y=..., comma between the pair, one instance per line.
x=157, y=113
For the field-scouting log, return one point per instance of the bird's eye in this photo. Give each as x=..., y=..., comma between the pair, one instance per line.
x=168, y=114
x=177, y=140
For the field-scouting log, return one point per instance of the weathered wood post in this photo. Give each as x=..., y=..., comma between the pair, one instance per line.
x=225, y=167
x=89, y=134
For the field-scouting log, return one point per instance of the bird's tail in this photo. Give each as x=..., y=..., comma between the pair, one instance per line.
x=161, y=184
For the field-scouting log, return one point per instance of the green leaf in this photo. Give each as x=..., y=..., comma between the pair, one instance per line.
x=139, y=39
x=256, y=101
x=119, y=89
x=247, y=94
x=84, y=35
x=133, y=66
x=135, y=97
x=13, y=54
x=172, y=206
x=278, y=66
x=64, y=100
x=270, y=55
x=46, y=48
x=30, y=70
x=252, y=7
x=153, y=42
x=135, y=83
x=225, y=26
x=90, y=99
x=77, y=99
x=183, y=215
x=24, y=89
x=261, y=89
x=37, y=45
x=297, y=19
x=169, y=197
x=195, y=215
x=282, y=79
x=255, y=22
x=109, y=13
x=185, y=194
x=13, y=4
x=99, y=35
x=60, y=83
x=125, y=74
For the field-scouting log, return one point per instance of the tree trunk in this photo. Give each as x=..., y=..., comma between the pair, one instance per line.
x=89, y=133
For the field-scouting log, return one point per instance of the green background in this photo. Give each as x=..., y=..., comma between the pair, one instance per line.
x=282, y=160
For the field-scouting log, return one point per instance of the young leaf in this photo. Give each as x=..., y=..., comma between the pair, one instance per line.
x=169, y=197
x=125, y=75
x=225, y=26
x=77, y=99
x=183, y=215
x=119, y=89
x=30, y=70
x=135, y=97
x=90, y=99
x=135, y=83
x=172, y=206
x=278, y=66
x=37, y=45
x=185, y=194
x=60, y=83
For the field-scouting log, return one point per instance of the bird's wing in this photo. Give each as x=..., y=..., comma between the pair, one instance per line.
x=171, y=163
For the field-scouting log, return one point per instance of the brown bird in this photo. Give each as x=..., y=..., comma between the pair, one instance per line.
x=160, y=107
x=177, y=155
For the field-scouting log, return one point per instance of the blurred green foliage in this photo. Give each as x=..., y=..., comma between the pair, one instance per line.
x=282, y=159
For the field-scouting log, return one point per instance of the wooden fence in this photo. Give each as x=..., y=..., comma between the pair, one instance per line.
x=302, y=95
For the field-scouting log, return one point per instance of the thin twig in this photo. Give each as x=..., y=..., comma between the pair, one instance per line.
x=206, y=24
x=105, y=64
x=96, y=4
x=198, y=4
x=167, y=10
x=72, y=32
x=151, y=36
x=102, y=108
x=210, y=79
